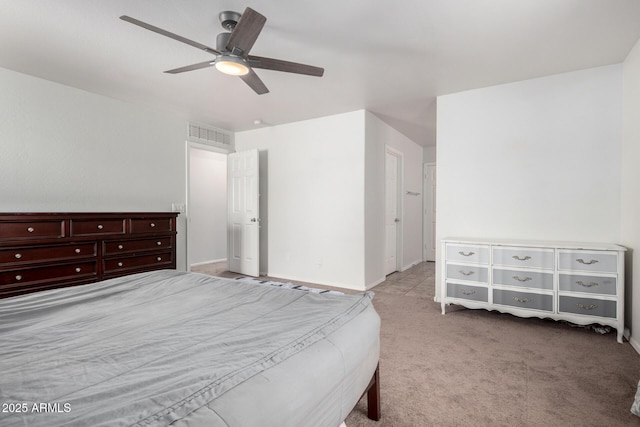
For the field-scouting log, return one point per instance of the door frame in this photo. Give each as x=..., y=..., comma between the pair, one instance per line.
x=188, y=146
x=399, y=206
x=428, y=203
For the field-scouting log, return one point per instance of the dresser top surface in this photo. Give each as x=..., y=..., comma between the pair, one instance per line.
x=597, y=246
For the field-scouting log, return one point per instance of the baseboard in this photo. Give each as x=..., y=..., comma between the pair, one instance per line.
x=635, y=344
x=196, y=264
x=375, y=283
x=411, y=264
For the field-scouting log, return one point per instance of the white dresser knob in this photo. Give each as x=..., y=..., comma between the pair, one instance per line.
x=100, y=226
x=18, y=277
x=159, y=243
x=119, y=264
x=78, y=269
x=152, y=225
x=30, y=230
x=120, y=247
x=159, y=258
x=77, y=250
x=18, y=256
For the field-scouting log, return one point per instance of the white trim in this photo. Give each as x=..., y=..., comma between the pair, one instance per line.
x=635, y=344
x=376, y=283
x=196, y=264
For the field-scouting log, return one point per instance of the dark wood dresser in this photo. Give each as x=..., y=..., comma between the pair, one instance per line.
x=52, y=250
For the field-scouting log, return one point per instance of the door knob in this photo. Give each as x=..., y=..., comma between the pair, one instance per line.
x=396, y=220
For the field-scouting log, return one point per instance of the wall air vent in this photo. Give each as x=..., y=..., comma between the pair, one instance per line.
x=210, y=136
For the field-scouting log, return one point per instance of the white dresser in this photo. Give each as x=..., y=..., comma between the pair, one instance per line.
x=582, y=283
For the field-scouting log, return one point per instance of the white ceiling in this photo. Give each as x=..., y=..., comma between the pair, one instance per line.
x=389, y=57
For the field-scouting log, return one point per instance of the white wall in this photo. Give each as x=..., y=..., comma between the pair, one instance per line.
x=538, y=159
x=207, y=206
x=315, y=198
x=326, y=198
x=66, y=150
x=378, y=135
x=630, y=227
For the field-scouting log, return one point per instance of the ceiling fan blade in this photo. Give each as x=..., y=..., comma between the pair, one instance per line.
x=246, y=32
x=197, y=66
x=254, y=82
x=286, y=66
x=169, y=34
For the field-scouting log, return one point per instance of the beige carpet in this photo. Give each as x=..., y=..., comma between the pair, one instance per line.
x=480, y=368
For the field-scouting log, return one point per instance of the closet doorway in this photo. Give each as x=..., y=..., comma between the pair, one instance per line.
x=206, y=206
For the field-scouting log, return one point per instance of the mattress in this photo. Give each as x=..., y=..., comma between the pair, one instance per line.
x=184, y=349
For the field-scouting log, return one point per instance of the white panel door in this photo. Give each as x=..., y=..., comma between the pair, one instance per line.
x=243, y=218
x=391, y=212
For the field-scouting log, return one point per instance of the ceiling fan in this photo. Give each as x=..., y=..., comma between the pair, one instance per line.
x=232, y=49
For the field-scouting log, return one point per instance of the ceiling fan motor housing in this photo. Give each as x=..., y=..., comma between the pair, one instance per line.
x=229, y=19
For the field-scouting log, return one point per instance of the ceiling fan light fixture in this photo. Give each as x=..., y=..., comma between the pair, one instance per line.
x=232, y=65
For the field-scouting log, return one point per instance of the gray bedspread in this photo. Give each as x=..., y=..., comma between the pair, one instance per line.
x=151, y=348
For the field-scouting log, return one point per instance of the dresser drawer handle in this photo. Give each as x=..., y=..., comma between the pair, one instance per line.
x=159, y=243
x=465, y=292
x=159, y=259
x=466, y=254
x=466, y=273
x=120, y=264
x=78, y=269
x=521, y=300
x=524, y=258
x=586, y=285
x=77, y=250
x=120, y=247
x=18, y=256
x=18, y=277
x=591, y=261
x=31, y=229
x=526, y=279
x=100, y=226
x=587, y=307
x=152, y=225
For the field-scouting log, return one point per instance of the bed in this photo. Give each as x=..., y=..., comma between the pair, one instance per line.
x=184, y=349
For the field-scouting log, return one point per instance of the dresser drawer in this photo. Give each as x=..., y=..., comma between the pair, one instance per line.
x=151, y=225
x=468, y=292
x=95, y=227
x=468, y=253
x=528, y=300
x=527, y=279
x=590, y=284
x=24, y=255
x=128, y=246
x=32, y=229
x=587, y=306
x=53, y=273
x=474, y=273
x=606, y=262
x=155, y=260
x=524, y=257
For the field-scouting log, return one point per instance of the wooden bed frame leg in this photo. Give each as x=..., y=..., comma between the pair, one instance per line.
x=373, y=396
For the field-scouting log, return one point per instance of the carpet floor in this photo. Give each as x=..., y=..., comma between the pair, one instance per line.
x=481, y=368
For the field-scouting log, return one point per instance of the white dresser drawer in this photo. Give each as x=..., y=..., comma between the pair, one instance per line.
x=467, y=292
x=473, y=273
x=528, y=300
x=523, y=257
x=526, y=279
x=587, y=283
x=587, y=306
x=468, y=253
x=605, y=262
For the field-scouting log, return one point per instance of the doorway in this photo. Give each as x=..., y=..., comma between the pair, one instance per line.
x=206, y=206
x=429, y=212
